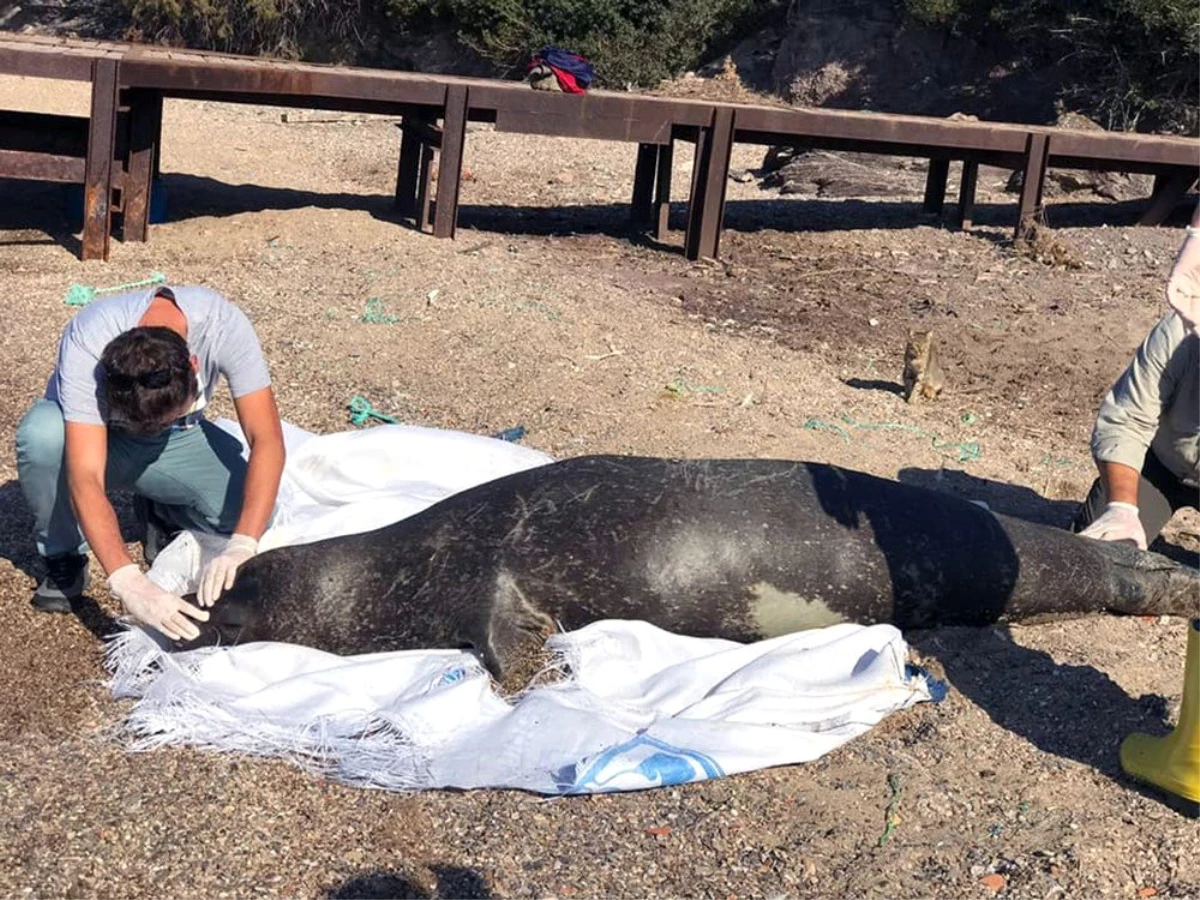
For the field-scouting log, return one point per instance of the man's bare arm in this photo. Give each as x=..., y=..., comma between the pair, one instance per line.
x=259, y=418
x=86, y=459
x=1120, y=482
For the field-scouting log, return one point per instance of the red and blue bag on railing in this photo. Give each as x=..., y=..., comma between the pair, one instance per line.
x=574, y=73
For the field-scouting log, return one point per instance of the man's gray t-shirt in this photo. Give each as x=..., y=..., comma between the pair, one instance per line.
x=219, y=335
x=1155, y=404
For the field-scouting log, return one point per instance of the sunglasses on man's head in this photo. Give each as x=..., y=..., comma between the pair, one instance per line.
x=159, y=378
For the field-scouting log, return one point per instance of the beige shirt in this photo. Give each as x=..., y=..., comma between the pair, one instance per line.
x=1155, y=404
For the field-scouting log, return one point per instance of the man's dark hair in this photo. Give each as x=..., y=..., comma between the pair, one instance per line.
x=146, y=379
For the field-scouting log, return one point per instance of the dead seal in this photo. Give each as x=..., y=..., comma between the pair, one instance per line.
x=743, y=549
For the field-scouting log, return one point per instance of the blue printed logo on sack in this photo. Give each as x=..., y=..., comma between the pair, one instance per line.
x=641, y=762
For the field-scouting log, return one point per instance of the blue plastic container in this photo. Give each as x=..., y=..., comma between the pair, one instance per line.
x=73, y=200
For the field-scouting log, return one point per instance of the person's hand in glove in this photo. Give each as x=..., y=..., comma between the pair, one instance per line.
x=1119, y=522
x=218, y=575
x=151, y=605
x=1183, y=284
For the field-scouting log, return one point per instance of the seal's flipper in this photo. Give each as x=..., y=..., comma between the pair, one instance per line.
x=228, y=620
x=515, y=633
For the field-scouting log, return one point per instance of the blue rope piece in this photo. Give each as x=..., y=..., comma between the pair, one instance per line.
x=967, y=450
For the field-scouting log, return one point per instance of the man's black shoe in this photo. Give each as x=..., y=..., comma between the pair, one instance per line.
x=66, y=579
x=156, y=533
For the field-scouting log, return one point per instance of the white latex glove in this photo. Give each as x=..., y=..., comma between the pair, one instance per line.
x=218, y=574
x=150, y=604
x=1119, y=522
x=1183, y=284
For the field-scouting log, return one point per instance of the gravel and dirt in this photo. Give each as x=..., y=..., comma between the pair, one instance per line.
x=544, y=313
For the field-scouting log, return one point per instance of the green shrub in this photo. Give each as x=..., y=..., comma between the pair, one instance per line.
x=1126, y=63
x=288, y=28
x=1127, y=59
x=628, y=41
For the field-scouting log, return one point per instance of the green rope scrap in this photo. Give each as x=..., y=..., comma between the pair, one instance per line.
x=681, y=386
x=361, y=410
x=967, y=450
x=890, y=816
x=83, y=294
x=375, y=314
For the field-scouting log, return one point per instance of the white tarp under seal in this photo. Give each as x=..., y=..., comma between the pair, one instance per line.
x=638, y=707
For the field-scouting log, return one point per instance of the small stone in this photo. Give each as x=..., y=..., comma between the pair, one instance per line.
x=994, y=882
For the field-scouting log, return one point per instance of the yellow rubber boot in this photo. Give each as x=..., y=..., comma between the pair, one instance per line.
x=1171, y=764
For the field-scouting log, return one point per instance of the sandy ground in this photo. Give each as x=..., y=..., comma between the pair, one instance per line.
x=543, y=313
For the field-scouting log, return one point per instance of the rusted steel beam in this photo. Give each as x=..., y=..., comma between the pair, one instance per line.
x=38, y=166
x=641, y=208
x=424, y=129
x=454, y=133
x=1073, y=149
x=996, y=157
x=706, y=208
x=662, y=191
x=293, y=101
x=412, y=141
x=145, y=127
x=614, y=118
x=44, y=133
x=1169, y=190
x=766, y=125
x=36, y=60
x=935, y=185
x=265, y=81
x=424, y=189
x=966, y=194
x=97, y=189
x=1033, y=184
x=596, y=114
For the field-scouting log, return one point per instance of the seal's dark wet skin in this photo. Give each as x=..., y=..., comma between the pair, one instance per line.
x=742, y=549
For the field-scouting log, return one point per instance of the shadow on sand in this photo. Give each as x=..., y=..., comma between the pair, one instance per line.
x=383, y=884
x=47, y=213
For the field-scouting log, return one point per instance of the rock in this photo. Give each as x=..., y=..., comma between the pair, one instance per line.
x=825, y=173
x=1114, y=186
x=778, y=157
x=741, y=176
x=1078, y=121
x=994, y=882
